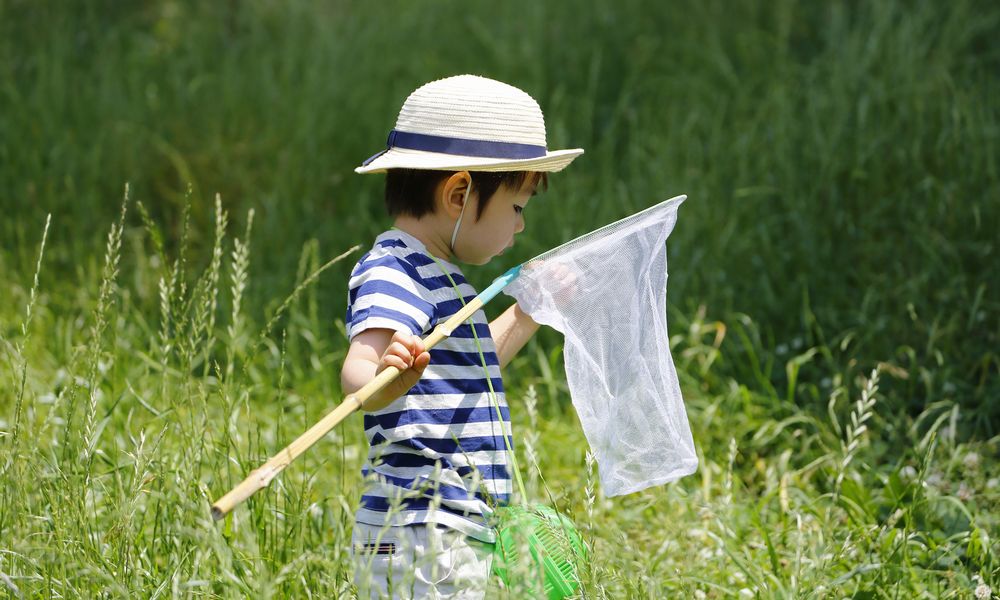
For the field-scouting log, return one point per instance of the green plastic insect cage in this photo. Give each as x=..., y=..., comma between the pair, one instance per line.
x=537, y=548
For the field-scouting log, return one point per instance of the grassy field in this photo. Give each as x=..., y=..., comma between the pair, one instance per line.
x=834, y=292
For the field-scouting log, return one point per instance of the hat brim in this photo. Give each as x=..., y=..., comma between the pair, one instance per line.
x=403, y=158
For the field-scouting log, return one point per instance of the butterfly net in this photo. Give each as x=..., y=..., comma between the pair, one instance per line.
x=606, y=292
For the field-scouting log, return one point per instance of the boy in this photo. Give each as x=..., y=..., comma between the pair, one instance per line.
x=463, y=161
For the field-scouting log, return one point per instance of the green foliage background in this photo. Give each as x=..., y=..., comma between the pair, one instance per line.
x=841, y=161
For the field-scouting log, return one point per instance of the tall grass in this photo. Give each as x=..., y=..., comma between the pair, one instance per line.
x=786, y=503
x=109, y=496
x=841, y=163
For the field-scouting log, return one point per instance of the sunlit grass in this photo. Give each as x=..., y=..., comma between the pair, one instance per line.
x=120, y=450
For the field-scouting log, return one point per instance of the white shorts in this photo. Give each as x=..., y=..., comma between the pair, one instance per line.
x=419, y=561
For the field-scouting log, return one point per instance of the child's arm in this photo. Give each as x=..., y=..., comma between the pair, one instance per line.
x=371, y=352
x=511, y=331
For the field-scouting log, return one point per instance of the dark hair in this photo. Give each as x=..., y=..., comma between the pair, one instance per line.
x=411, y=191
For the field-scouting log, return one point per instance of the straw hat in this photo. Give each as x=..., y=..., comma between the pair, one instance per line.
x=469, y=123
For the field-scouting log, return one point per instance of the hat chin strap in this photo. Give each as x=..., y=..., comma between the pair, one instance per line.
x=458, y=223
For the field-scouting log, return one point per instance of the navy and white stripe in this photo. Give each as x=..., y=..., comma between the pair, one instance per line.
x=437, y=454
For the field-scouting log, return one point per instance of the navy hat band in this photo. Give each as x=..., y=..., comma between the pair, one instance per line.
x=460, y=147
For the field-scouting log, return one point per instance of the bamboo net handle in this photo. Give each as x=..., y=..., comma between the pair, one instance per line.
x=261, y=477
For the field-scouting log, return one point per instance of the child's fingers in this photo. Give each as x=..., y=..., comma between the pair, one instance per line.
x=391, y=360
x=400, y=338
x=421, y=358
x=407, y=352
x=399, y=351
x=409, y=377
x=421, y=361
x=564, y=274
x=413, y=344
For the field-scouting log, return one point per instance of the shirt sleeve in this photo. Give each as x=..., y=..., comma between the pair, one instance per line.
x=386, y=293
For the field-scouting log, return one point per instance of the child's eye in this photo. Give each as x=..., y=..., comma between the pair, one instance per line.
x=518, y=209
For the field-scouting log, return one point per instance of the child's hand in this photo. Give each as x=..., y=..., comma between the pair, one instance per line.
x=560, y=279
x=565, y=278
x=406, y=353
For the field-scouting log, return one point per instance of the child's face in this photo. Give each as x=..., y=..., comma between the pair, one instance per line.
x=481, y=240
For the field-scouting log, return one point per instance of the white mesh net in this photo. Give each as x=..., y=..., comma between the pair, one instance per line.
x=606, y=292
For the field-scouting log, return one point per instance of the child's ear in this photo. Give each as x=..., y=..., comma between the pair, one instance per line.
x=451, y=195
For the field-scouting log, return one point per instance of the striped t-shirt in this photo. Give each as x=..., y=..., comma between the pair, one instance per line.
x=436, y=454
